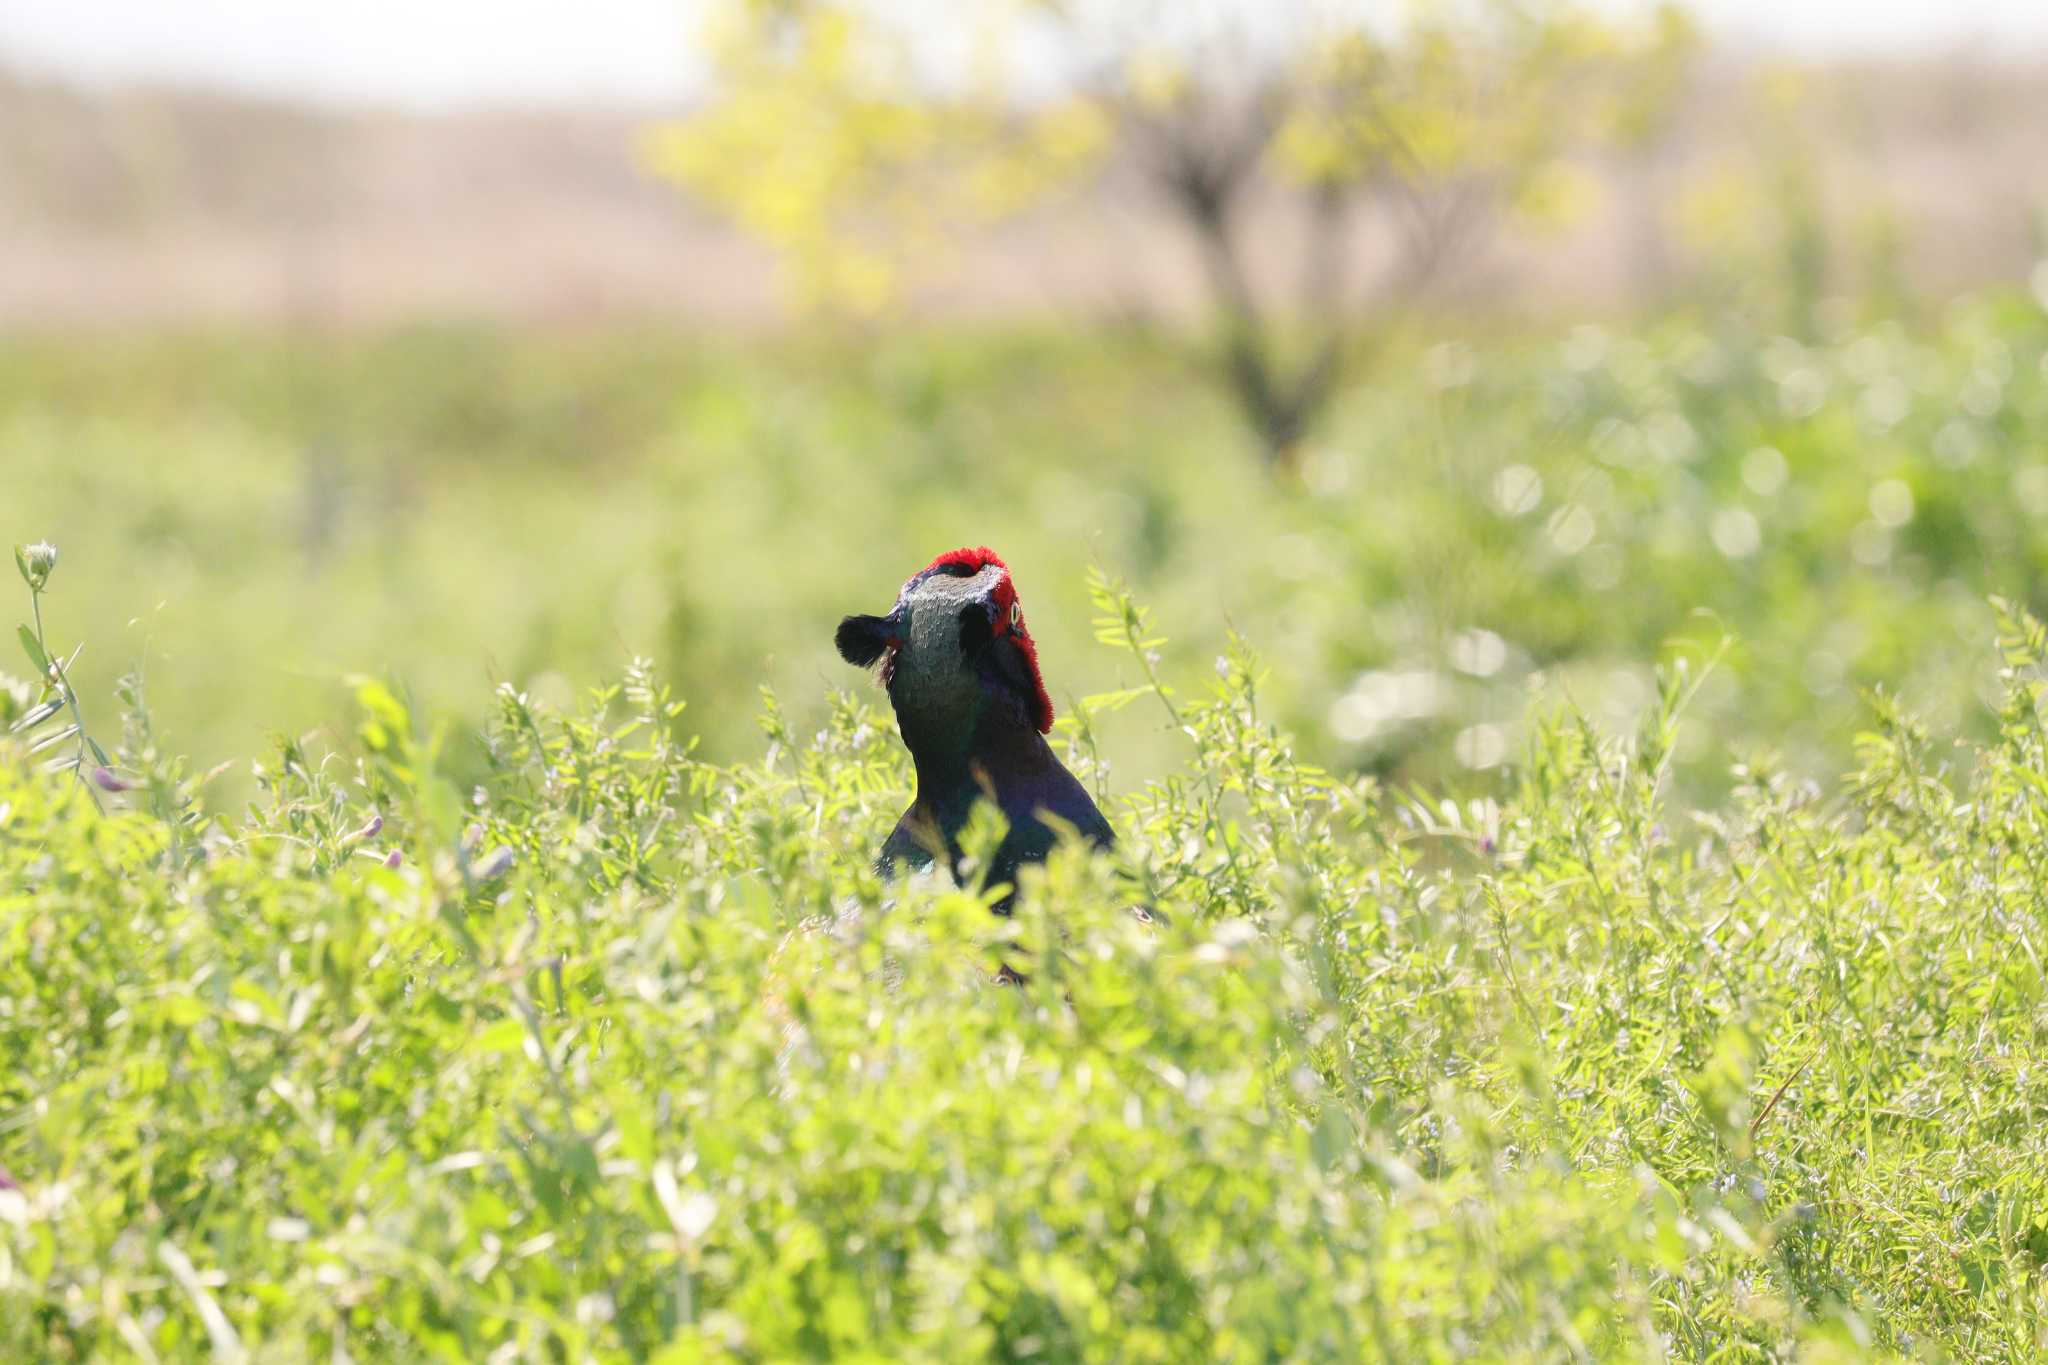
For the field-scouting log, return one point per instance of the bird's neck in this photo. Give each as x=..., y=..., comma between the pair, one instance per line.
x=962, y=758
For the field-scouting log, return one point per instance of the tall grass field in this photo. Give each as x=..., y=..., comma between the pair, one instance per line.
x=1580, y=887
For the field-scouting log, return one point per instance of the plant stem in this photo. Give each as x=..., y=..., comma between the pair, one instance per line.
x=35, y=601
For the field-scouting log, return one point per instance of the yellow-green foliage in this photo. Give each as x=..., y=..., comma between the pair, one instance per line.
x=1460, y=96
x=828, y=137
x=631, y=1057
x=1482, y=520
x=825, y=143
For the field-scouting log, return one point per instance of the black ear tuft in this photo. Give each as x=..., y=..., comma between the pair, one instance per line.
x=861, y=639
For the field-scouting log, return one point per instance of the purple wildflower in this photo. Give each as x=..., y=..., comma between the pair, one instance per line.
x=367, y=832
x=495, y=866
x=107, y=780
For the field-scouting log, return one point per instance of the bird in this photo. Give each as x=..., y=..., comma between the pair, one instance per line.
x=961, y=671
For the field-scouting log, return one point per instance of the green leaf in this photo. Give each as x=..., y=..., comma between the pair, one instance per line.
x=21, y=563
x=28, y=642
x=507, y=1035
x=1333, y=1137
x=1114, y=701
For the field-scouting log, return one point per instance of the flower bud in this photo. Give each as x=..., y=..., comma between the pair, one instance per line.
x=107, y=780
x=36, y=563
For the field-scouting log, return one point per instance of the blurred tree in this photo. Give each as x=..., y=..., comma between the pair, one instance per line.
x=1757, y=222
x=1795, y=184
x=1648, y=95
x=837, y=137
x=1462, y=117
x=826, y=140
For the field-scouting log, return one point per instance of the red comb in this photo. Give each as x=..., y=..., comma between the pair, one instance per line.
x=974, y=559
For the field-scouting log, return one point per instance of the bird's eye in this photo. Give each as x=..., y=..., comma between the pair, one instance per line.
x=1016, y=615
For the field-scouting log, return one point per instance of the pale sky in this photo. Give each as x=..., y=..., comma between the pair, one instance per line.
x=438, y=53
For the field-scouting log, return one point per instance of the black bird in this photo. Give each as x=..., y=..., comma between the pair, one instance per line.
x=962, y=673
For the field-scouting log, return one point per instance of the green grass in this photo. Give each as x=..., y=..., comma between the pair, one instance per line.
x=448, y=508
x=631, y=1056
x=1526, y=988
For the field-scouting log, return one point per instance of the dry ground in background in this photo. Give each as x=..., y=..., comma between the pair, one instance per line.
x=136, y=206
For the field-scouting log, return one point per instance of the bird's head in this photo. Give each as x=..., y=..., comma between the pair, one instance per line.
x=954, y=641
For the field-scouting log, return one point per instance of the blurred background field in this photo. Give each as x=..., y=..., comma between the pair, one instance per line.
x=458, y=389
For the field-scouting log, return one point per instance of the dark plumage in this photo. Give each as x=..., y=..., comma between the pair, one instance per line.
x=962, y=673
